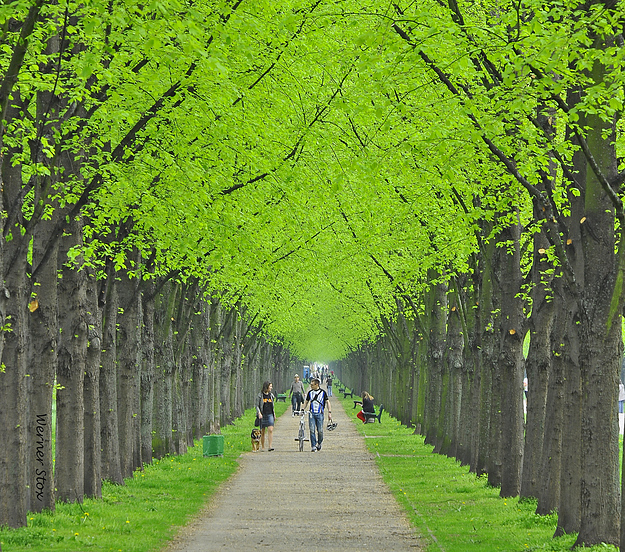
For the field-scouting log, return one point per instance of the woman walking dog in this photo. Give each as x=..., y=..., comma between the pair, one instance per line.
x=265, y=401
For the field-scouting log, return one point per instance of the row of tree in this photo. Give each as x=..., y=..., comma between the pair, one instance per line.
x=452, y=354
x=410, y=186
x=142, y=381
x=121, y=134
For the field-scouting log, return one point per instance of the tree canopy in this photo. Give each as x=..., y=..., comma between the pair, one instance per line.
x=336, y=174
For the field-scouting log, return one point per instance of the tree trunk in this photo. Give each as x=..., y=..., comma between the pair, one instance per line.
x=600, y=343
x=200, y=347
x=511, y=363
x=538, y=364
x=13, y=416
x=43, y=338
x=226, y=369
x=72, y=359
x=538, y=367
x=129, y=372
x=147, y=372
x=93, y=442
x=436, y=311
x=455, y=356
x=109, y=428
x=162, y=443
x=237, y=367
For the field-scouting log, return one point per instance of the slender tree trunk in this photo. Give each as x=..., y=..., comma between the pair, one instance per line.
x=481, y=322
x=226, y=370
x=200, y=347
x=13, y=415
x=549, y=474
x=44, y=333
x=147, y=372
x=436, y=345
x=491, y=390
x=511, y=365
x=162, y=442
x=455, y=340
x=538, y=367
x=109, y=427
x=93, y=442
x=129, y=373
x=538, y=364
x=237, y=367
x=72, y=359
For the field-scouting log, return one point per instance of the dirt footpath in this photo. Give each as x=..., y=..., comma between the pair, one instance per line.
x=286, y=500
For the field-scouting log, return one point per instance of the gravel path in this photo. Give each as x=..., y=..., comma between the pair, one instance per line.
x=288, y=500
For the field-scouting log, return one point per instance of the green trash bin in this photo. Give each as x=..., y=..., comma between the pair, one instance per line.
x=213, y=445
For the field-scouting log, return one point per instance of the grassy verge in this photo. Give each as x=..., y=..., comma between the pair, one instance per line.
x=452, y=508
x=143, y=514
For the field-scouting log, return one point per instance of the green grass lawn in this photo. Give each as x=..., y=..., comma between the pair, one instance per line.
x=143, y=514
x=453, y=509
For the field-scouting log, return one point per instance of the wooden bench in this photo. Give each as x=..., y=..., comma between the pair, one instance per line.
x=341, y=389
x=347, y=393
x=370, y=417
x=357, y=403
x=281, y=397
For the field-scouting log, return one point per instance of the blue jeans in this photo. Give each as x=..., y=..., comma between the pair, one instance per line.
x=329, y=390
x=315, y=421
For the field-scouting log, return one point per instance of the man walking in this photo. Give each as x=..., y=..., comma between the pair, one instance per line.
x=296, y=393
x=318, y=400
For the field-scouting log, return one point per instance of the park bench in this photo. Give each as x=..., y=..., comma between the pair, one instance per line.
x=341, y=389
x=347, y=393
x=370, y=417
x=281, y=397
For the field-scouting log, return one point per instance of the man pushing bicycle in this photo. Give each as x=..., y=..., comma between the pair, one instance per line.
x=318, y=400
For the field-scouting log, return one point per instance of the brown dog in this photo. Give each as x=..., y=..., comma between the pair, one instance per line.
x=255, y=435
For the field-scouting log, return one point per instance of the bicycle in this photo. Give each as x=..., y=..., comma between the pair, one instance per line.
x=301, y=432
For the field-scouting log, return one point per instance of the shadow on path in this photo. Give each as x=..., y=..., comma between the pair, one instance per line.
x=288, y=500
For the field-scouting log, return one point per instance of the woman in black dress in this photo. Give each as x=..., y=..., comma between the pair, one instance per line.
x=265, y=401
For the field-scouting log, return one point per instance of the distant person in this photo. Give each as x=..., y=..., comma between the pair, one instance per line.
x=367, y=402
x=296, y=393
x=367, y=406
x=318, y=400
x=621, y=396
x=329, y=384
x=265, y=402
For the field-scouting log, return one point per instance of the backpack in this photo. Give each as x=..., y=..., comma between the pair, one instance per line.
x=319, y=393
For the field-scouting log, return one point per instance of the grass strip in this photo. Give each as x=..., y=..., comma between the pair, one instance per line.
x=143, y=514
x=455, y=510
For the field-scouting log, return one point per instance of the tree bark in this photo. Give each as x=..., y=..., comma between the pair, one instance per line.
x=437, y=323
x=600, y=343
x=538, y=367
x=93, y=440
x=147, y=372
x=128, y=371
x=13, y=415
x=455, y=342
x=109, y=427
x=72, y=358
x=511, y=363
x=162, y=442
x=44, y=334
